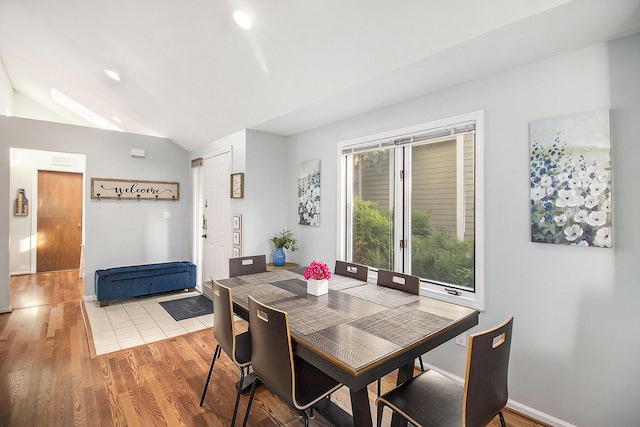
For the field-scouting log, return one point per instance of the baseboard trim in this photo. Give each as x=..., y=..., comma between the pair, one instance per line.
x=89, y=298
x=514, y=405
x=6, y=310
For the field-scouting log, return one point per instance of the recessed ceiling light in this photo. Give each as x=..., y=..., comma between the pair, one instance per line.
x=242, y=20
x=113, y=75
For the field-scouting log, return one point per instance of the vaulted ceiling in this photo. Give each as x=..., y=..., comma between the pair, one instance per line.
x=189, y=73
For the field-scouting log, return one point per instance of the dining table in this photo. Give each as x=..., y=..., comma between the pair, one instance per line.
x=357, y=332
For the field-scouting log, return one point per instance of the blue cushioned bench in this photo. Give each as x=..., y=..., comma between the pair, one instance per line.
x=136, y=280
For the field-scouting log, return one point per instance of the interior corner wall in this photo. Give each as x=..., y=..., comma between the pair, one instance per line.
x=27, y=108
x=262, y=158
x=264, y=205
x=6, y=92
x=116, y=233
x=575, y=348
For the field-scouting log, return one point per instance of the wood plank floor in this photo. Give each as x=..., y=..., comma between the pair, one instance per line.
x=48, y=378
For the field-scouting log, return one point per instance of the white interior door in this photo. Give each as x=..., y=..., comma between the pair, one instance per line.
x=216, y=224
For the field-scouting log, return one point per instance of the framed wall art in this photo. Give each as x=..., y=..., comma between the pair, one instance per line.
x=127, y=189
x=309, y=193
x=237, y=185
x=237, y=235
x=570, y=180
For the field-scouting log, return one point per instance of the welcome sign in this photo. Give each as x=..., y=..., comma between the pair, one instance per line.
x=126, y=189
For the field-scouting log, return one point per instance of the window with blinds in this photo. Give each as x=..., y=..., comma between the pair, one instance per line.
x=410, y=204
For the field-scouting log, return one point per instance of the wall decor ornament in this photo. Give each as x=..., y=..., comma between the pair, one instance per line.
x=309, y=193
x=237, y=235
x=127, y=189
x=570, y=179
x=237, y=186
x=21, y=204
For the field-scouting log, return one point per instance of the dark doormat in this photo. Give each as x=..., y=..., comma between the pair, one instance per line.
x=186, y=308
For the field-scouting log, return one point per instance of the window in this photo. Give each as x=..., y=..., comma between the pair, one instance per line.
x=411, y=201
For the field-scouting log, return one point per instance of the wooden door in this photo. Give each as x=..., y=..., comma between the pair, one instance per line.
x=59, y=221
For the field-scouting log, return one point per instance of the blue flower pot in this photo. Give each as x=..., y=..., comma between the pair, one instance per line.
x=279, y=258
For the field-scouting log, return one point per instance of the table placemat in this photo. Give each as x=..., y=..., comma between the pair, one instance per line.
x=355, y=347
x=380, y=295
x=263, y=292
x=270, y=276
x=401, y=325
x=306, y=316
x=338, y=283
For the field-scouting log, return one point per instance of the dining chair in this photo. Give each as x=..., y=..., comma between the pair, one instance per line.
x=294, y=380
x=236, y=347
x=350, y=269
x=401, y=282
x=247, y=265
x=431, y=399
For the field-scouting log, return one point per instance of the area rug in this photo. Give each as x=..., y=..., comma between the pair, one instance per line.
x=186, y=308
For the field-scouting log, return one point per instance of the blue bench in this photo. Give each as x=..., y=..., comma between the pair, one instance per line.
x=137, y=280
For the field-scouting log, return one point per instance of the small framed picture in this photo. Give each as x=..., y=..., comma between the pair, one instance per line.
x=236, y=238
x=237, y=185
x=236, y=252
x=237, y=221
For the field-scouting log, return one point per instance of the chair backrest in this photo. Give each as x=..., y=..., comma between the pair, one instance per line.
x=247, y=265
x=350, y=269
x=271, y=348
x=485, y=390
x=223, y=324
x=400, y=281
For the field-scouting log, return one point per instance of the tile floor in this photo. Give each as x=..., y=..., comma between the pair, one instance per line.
x=136, y=321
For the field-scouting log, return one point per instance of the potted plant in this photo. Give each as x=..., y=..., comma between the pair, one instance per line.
x=283, y=240
x=317, y=276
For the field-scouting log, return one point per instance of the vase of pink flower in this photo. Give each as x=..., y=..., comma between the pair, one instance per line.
x=317, y=276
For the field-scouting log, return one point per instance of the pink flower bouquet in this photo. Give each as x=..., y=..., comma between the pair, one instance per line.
x=317, y=271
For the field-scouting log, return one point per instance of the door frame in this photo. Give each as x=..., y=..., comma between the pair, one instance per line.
x=198, y=186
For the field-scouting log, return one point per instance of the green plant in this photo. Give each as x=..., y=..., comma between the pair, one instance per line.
x=435, y=254
x=285, y=240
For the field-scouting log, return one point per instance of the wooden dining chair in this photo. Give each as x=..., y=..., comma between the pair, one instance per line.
x=401, y=282
x=294, y=380
x=247, y=265
x=236, y=347
x=350, y=269
x=431, y=399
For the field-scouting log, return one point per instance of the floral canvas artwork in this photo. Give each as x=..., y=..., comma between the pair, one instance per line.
x=571, y=179
x=309, y=193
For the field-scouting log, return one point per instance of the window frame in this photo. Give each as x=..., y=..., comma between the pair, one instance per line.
x=473, y=299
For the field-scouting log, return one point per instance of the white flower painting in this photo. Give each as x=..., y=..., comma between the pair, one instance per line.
x=309, y=193
x=570, y=180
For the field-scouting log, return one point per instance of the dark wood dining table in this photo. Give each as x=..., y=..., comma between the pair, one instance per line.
x=357, y=332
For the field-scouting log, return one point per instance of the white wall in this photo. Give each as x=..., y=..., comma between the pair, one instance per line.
x=575, y=345
x=116, y=233
x=27, y=108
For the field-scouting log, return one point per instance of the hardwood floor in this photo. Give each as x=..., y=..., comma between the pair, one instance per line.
x=47, y=376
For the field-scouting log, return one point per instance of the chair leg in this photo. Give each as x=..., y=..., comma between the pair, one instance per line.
x=421, y=364
x=253, y=392
x=216, y=354
x=306, y=418
x=235, y=409
x=502, y=419
x=379, y=418
x=379, y=386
